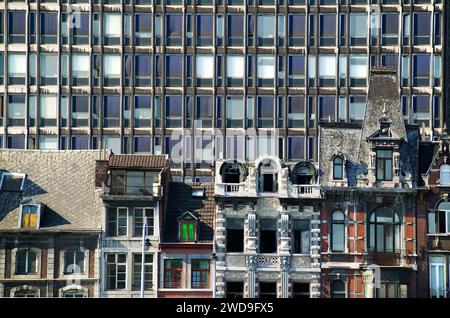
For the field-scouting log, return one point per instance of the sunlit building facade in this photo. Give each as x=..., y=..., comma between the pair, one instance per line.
x=202, y=80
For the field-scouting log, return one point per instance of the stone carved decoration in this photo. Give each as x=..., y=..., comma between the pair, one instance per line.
x=285, y=263
x=251, y=224
x=252, y=263
x=301, y=261
x=284, y=225
x=235, y=261
x=268, y=260
x=268, y=204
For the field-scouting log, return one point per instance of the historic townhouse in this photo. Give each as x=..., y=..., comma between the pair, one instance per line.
x=133, y=188
x=369, y=184
x=50, y=224
x=267, y=229
x=433, y=220
x=186, y=266
x=140, y=76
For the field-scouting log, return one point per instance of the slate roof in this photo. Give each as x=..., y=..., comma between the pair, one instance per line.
x=138, y=161
x=352, y=142
x=63, y=181
x=179, y=201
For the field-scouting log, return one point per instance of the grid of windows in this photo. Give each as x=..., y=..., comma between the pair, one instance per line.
x=277, y=60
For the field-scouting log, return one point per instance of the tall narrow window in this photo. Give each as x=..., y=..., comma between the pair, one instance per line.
x=26, y=262
x=268, y=236
x=173, y=273
x=444, y=175
x=384, y=165
x=338, y=168
x=301, y=237
x=337, y=231
x=148, y=271
x=384, y=231
x=187, y=231
x=116, y=269
x=200, y=274
x=74, y=262
x=438, y=276
x=235, y=235
x=30, y=216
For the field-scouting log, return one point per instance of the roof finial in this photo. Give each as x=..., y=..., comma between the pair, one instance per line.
x=384, y=108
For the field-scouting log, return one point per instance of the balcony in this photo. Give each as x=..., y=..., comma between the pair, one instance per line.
x=149, y=193
x=230, y=189
x=396, y=258
x=305, y=191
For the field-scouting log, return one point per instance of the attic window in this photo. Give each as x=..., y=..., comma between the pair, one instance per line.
x=187, y=231
x=338, y=168
x=198, y=193
x=12, y=182
x=30, y=216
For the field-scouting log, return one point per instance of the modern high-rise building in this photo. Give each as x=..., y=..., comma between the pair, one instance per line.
x=202, y=80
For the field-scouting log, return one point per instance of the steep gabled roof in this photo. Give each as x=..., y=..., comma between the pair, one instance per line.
x=180, y=201
x=62, y=181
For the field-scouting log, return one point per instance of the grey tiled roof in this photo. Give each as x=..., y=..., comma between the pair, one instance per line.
x=179, y=201
x=352, y=142
x=138, y=161
x=63, y=181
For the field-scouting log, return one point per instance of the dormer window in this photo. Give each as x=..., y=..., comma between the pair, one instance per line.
x=445, y=175
x=198, y=192
x=187, y=227
x=384, y=165
x=12, y=182
x=187, y=231
x=30, y=216
x=338, y=168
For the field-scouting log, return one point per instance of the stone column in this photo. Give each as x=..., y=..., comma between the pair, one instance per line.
x=251, y=276
x=50, y=265
x=220, y=246
x=284, y=267
x=252, y=262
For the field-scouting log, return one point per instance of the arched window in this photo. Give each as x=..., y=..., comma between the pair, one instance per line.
x=74, y=293
x=338, y=168
x=232, y=172
x=268, y=176
x=337, y=289
x=384, y=232
x=25, y=293
x=303, y=173
x=439, y=219
x=337, y=231
x=445, y=174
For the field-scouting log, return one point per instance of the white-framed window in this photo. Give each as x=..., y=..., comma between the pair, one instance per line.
x=25, y=292
x=138, y=221
x=444, y=175
x=26, y=261
x=438, y=276
x=338, y=168
x=117, y=222
x=30, y=216
x=116, y=271
x=148, y=271
x=439, y=219
x=74, y=261
x=73, y=291
x=11, y=181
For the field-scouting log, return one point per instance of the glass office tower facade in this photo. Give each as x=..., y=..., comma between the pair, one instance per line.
x=207, y=79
